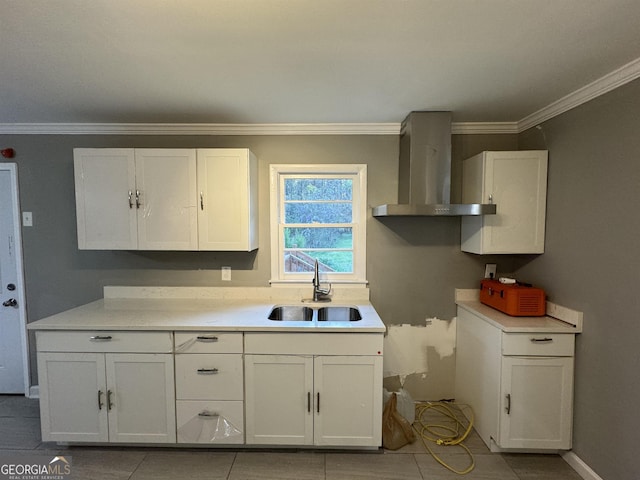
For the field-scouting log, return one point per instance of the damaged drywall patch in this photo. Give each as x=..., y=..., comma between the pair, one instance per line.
x=405, y=346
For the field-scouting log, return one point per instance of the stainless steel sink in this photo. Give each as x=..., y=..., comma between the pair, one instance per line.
x=291, y=313
x=339, y=314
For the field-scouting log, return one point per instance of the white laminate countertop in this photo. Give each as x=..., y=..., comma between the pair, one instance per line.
x=507, y=323
x=213, y=313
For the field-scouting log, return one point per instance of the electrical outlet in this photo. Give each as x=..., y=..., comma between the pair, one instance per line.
x=226, y=274
x=490, y=270
x=27, y=219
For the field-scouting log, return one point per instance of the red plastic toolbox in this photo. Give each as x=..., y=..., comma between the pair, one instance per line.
x=513, y=299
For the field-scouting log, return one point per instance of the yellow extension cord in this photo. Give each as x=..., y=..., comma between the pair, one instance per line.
x=445, y=434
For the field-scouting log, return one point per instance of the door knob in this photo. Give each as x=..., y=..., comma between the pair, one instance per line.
x=12, y=302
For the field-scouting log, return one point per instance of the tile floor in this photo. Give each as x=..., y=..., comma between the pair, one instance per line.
x=20, y=434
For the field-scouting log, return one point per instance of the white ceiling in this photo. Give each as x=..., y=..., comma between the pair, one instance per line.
x=303, y=61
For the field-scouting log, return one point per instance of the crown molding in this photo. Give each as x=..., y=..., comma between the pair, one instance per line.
x=483, y=128
x=461, y=128
x=200, y=128
x=611, y=81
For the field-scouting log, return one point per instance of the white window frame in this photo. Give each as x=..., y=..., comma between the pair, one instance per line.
x=277, y=173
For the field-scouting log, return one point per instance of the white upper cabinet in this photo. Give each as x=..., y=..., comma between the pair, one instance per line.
x=163, y=199
x=228, y=200
x=517, y=183
x=105, y=198
x=166, y=199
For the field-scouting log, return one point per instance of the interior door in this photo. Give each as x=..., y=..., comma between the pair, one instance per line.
x=13, y=335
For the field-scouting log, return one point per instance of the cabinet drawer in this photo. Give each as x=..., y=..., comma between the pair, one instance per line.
x=210, y=421
x=313, y=343
x=538, y=344
x=208, y=342
x=205, y=376
x=104, y=341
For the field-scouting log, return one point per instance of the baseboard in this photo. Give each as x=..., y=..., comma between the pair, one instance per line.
x=579, y=466
x=34, y=391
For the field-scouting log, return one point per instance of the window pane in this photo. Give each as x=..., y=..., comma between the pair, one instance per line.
x=318, y=189
x=305, y=212
x=322, y=237
x=301, y=261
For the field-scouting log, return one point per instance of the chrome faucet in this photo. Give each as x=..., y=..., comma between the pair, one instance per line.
x=319, y=295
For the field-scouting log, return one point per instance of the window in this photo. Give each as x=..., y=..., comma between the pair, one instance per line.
x=318, y=212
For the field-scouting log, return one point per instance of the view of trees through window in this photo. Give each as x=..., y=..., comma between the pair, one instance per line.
x=318, y=218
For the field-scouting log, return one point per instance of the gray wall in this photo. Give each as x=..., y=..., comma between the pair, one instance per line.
x=413, y=264
x=592, y=263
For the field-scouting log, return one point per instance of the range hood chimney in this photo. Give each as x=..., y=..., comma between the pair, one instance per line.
x=424, y=176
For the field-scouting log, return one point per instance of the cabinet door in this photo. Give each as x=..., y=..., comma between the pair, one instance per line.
x=517, y=183
x=72, y=397
x=279, y=399
x=210, y=421
x=206, y=376
x=348, y=401
x=167, y=217
x=105, y=198
x=536, y=402
x=142, y=399
x=227, y=209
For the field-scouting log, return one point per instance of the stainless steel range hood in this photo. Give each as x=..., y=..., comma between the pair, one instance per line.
x=424, y=177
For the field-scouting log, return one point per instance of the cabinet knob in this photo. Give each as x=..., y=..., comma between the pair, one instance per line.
x=207, y=371
x=101, y=338
x=205, y=338
x=109, y=400
x=206, y=414
x=541, y=340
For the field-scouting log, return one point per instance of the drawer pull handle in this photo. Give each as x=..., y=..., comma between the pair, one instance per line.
x=101, y=338
x=207, y=339
x=318, y=405
x=207, y=371
x=208, y=414
x=308, y=402
x=109, y=401
x=508, y=407
x=100, y=400
x=542, y=340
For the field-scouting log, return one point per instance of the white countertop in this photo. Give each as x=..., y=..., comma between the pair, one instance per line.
x=507, y=323
x=209, y=311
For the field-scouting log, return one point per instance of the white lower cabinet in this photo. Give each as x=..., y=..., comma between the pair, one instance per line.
x=537, y=396
x=209, y=388
x=519, y=385
x=97, y=396
x=307, y=399
x=313, y=389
